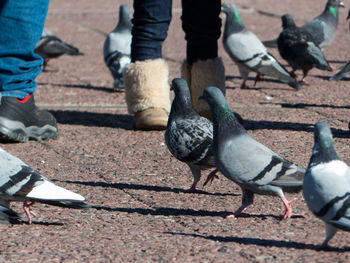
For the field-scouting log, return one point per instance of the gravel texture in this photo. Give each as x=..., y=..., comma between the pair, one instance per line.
x=134, y=186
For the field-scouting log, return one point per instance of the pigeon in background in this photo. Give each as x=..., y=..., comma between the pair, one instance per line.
x=342, y=73
x=296, y=47
x=250, y=164
x=326, y=186
x=248, y=52
x=117, y=47
x=19, y=182
x=348, y=17
x=188, y=135
x=50, y=46
x=323, y=27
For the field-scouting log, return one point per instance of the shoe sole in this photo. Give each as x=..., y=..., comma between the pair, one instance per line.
x=16, y=131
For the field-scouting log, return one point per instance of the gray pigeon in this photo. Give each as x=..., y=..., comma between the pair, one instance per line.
x=117, y=47
x=297, y=48
x=326, y=186
x=248, y=52
x=50, y=46
x=189, y=136
x=250, y=164
x=323, y=27
x=342, y=73
x=19, y=182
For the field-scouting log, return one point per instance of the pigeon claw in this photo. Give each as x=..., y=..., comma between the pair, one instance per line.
x=211, y=176
x=192, y=189
x=26, y=208
x=288, y=211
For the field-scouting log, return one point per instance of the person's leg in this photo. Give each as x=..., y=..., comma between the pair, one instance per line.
x=21, y=24
x=146, y=78
x=202, y=68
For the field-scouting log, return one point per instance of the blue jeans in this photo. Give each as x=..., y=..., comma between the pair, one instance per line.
x=200, y=22
x=21, y=23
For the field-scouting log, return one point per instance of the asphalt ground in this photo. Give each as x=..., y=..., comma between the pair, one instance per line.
x=139, y=212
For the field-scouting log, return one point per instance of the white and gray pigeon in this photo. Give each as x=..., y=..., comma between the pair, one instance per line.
x=326, y=186
x=323, y=27
x=188, y=135
x=50, y=46
x=117, y=47
x=342, y=73
x=297, y=48
x=250, y=164
x=19, y=182
x=248, y=52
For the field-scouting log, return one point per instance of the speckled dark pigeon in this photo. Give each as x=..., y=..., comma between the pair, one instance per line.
x=19, y=182
x=326, y=186
x=50, y=46
x=296, y=47
x=323, y=27
x=189, y=136
x=248, y=52
x=250, y=164
x=117, y=47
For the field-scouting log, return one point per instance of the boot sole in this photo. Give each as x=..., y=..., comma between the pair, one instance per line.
x=17, y=132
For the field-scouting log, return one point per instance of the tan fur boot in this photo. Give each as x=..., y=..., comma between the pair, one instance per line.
x=200, y=75
x=147, y=93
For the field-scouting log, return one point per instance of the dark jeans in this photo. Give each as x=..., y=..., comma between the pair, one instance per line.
x=200, y=22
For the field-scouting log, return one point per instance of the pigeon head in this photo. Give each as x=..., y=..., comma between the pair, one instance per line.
x=333, y=5
x=233, y=20
x=124, y=17
x=182, y=101
x=323, y=150
x=287, y=21
x=218, y=105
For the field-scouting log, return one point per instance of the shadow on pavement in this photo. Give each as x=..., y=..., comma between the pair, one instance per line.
x=263, y=242
x=86, y=118
x=155, y=188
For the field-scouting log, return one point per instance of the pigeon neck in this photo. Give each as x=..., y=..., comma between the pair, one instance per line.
x=331, y=10
x=124, y=21
x=323, y=152
x=225, y=123
x=181, y=106
x=233, y=23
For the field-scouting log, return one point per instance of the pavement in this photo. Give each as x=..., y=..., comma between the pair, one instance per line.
x=139, y=212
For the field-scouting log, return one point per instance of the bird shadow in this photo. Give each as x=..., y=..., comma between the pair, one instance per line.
x=34, y=222
x=169, y=211
x=154, y=188
x=262, y=79
x=80, y=86
x=85, y=118
x=261, y=242
x=293, y=126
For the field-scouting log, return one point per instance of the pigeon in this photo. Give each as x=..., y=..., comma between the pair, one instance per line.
x=348, y=17
x=188, y=135
x=248, y=52
x=326, y=186
x=250, y=164
x=323, y=27
x=117, y=47
x=342, y=73
x=50, y=46
x=19, y=182
x=296, y=47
